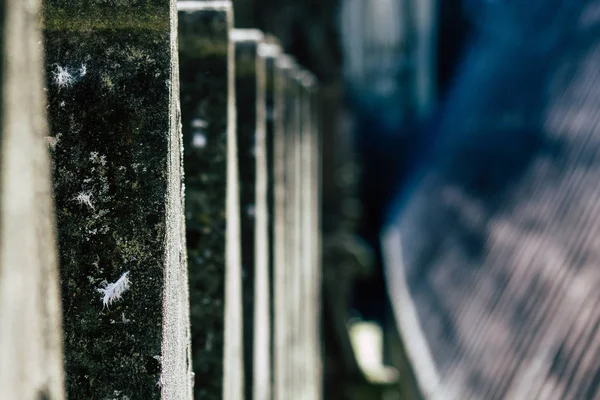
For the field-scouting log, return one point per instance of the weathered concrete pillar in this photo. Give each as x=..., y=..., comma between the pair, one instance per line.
x=270, y=50
x=113, y=105
x=212, y=202
x=316, y=240
x=295, y=136
x=251, y=125
x=212, y=208
x=306, y=280
x=297, y=279
x=310, y=281
x=31, y=363
x=284, y=110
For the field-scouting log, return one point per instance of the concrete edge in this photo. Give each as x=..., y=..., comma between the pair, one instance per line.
x=247, y=35
x=191, y=5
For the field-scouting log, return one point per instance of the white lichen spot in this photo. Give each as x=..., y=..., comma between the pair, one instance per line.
x=62, y=77
x=83, y=70
x=62, y=104
x=85, y=198
x=125, y=320
x=112, y=292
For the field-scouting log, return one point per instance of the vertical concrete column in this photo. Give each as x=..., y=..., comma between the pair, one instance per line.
x=31, y=361
x=113, y=105
x=270, y=50
x=283, y=161
x=212, y=202
x=251, y=125
x=316, y=264
x=297, y=246
x=309, y=312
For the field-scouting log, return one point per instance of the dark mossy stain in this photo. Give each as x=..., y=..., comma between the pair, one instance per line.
x=245, y=98
x=108, y=109
x=203, y=58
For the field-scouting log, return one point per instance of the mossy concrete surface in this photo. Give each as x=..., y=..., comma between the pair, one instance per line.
x=112, y=88
x=31, y=363
x=212, y=201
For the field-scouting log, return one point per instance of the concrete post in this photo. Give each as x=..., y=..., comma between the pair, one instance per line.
x=251, y=123
x=270, y=50
x=113, y=104
x=212, y=204
x=31, y=362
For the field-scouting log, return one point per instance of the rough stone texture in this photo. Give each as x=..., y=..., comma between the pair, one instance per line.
x=113, y=105
x=212, y=202
x=270, y=50
x=31, y=365
x=251, y=125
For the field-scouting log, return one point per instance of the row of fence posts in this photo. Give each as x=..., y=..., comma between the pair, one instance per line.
x=159, y=194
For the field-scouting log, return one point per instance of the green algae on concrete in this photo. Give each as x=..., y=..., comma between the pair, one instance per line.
x=251, y=125
x=113, y=90
x=212, y=203
x=31, y=361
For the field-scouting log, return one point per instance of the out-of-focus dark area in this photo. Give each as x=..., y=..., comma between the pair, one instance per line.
x=443, y=119
x=369, y=57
